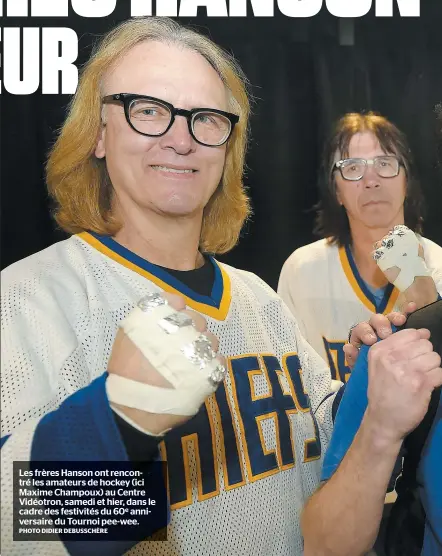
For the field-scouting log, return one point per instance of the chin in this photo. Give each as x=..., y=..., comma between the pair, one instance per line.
x=178, y=212
x=178, y=207
x=381, y=223
x=380, y=218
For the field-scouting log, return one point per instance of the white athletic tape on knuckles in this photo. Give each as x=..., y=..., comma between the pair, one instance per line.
x=401, y=249
x=154, y=399
x=182, y=355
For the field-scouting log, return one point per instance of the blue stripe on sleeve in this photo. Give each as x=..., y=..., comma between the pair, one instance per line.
x=83, y=429
x=3, y=440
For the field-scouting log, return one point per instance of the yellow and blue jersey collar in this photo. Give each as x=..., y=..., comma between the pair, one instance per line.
x=360, y=287
x=215, y=305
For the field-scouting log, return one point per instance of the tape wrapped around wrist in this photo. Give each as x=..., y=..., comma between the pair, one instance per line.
x=182, y=355
x=400, y=248
x=135, y=425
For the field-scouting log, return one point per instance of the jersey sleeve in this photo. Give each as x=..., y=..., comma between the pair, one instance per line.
x=436, y=274
x=53, y=410
x=433, y=259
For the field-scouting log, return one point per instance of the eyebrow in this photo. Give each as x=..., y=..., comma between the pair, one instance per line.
x=226, y=107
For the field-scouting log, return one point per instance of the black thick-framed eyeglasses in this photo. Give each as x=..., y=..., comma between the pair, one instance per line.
x=353, y=169
x=154, y=117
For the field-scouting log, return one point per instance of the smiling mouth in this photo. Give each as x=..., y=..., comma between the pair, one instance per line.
x=174, y=170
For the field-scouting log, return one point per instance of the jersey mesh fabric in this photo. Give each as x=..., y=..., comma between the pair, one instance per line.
x=60, y=312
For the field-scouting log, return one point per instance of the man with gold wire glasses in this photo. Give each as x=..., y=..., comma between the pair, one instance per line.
x=344, y=515
x=368, y=185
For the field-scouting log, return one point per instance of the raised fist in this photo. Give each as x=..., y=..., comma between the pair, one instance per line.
x=403, y=371
x=164, y=363
x=400, y=256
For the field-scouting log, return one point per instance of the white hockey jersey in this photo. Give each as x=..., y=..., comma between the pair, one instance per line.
x=239, y=471
x=321, y=285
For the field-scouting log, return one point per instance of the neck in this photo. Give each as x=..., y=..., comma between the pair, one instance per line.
x=164, y=240
x=363, y=240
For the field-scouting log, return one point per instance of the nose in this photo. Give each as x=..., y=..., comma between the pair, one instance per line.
x=178, y=138
x=370, y=179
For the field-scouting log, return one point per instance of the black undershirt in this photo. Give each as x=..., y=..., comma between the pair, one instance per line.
x=199, y=280
x=141, y=446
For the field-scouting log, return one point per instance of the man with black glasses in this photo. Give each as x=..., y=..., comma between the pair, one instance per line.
x=100, y=361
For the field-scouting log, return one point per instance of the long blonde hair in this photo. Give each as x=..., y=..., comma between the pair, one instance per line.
x=78, y=180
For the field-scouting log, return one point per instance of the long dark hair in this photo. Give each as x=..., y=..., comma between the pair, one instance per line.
x=331, y=218
x=438, y=110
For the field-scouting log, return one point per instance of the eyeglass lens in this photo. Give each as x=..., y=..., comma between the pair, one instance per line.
x=385, y=166
x=153, y=118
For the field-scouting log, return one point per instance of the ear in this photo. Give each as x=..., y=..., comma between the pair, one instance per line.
x=338, y=197
x=100, y=147
x=337, y=192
